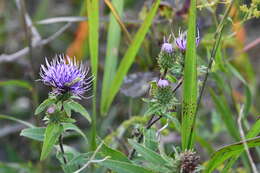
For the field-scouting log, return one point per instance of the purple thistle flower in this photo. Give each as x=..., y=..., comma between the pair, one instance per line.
x=65, y=75
x=162, y=83
x=181, y=41
x=167, y=47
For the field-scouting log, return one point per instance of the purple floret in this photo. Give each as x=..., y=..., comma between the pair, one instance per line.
x=65, y=75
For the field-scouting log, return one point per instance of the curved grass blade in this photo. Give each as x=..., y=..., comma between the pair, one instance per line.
x=129, y=57
x=229, y=151
x=16, y=120
x=93, y=16
x=113, y=41
x=19, y=83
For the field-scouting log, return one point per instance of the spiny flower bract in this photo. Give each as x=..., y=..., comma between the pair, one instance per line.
x=65, y=75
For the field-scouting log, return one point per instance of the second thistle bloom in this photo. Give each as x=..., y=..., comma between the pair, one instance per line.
x=181, y=40
x=65, y=75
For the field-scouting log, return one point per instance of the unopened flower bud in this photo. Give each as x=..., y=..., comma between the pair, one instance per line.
x=189, y=161
x=167, y=47
x=162, y=83
x=51, y=110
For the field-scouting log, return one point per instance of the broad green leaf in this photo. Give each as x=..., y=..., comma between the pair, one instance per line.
x=7, y=117
x=75, y=106
x=148, y=154
x=19, y=83
x=190, y=82
x=229, y=151
x=36, y=133
x=114, y=154
x=124, y=167
x=51, y=135
x=44, y=105
x=129, y=57
x=113, y=42
x=70, y=126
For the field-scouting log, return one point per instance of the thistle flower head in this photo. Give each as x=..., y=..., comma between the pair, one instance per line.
x=181, y=40
x=65, y=75
x=167, y=47
x=162, y=83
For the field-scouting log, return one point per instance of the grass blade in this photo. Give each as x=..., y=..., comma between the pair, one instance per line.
x=114, y=37
x=129, y=57
x=228, y=151
x=93, y=16
x=190, y=82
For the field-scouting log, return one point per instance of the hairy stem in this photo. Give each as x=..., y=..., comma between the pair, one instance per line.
x=62, y=149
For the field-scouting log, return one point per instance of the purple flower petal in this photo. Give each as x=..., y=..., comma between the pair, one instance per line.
x=65, y=75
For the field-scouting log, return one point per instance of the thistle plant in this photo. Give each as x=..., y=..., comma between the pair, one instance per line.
x=68, y=80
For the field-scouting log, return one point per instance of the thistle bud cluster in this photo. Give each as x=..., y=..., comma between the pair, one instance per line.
x=172, y=54
x=189, y=161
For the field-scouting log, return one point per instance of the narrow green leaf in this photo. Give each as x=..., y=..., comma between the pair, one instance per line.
x=189, y=82
x=113, y=42
x=51, y=135
x=226, y=114
x=67, y=108
x=19, y=83
x=123, y=167
x=228, y=151
x=44, y=105
x=129, y=57
x=253, y=132
x=36, y=133
x=148, y=154
x=7, y=117
x=75, y=106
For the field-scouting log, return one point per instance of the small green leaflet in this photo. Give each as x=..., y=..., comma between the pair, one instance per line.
x=51, y=135
x=36, y=133
x=75, y=106
x=44, y=105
